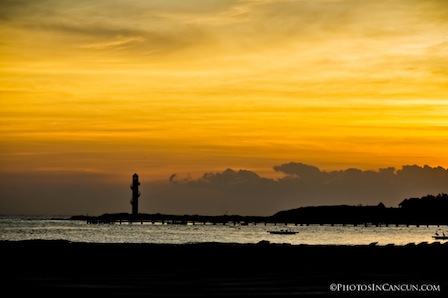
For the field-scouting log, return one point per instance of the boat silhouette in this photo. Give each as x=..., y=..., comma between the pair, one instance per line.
x=440, y=237
x=283, y=232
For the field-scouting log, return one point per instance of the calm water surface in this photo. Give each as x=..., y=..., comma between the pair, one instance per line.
x=25, y=228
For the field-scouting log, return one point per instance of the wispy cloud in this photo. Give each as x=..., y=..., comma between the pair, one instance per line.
x=117, y=41
x=340, y=31
x=207, y=84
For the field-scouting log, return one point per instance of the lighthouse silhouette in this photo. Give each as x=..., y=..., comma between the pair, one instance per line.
x=135, y=194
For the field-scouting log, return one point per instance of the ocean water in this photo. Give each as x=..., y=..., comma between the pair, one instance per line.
x=17, y=228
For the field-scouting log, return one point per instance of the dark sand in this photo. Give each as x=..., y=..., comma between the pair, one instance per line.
x=61, y=268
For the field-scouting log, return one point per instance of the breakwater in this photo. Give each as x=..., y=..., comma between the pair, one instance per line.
x=325, y=215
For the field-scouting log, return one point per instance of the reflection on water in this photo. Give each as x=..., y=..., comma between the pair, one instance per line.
x=23, y=228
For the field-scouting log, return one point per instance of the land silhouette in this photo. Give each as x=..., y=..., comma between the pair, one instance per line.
x=427, y=210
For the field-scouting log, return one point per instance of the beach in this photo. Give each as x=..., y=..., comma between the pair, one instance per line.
x=57, y=268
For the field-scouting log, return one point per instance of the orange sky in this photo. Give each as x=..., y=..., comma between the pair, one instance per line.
x=187, y=87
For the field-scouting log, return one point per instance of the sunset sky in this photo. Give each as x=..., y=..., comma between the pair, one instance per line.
x=94, y=91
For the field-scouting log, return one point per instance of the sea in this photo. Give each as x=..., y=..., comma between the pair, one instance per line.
x=17, y=228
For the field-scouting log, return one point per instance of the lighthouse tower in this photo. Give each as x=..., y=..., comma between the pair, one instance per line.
x=135, y=194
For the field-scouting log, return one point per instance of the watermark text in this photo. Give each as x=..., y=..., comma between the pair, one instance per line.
x=384, y=287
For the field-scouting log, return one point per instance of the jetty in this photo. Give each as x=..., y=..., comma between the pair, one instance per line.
x=312, y=219
x=142, y=218
x=425, y=211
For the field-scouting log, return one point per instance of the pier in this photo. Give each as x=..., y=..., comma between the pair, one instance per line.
x=426, y=211
x=167, y=219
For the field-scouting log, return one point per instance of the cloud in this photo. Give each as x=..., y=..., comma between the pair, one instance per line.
x=298, y=169
x=229, y=178
x=246, y=192
x=241, y=192
x=220, y=28
x=139, y=27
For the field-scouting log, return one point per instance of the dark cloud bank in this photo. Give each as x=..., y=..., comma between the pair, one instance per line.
x=246, y=193
x=231, y=191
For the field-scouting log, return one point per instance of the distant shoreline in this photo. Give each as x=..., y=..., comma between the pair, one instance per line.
x=328, y=215
x=427, y=210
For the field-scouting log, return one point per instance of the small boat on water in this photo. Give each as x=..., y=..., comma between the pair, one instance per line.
x=440, y=237
x=283, y=232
